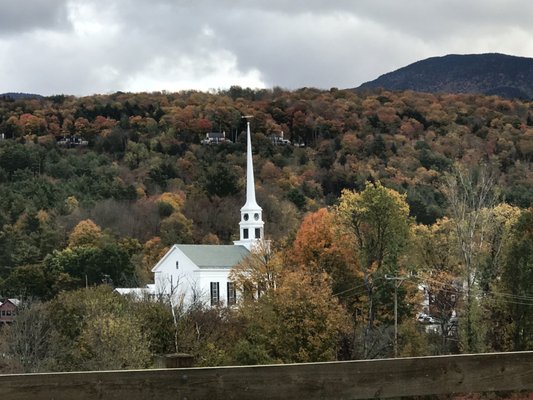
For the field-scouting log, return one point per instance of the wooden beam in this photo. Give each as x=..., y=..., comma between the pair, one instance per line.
x=336, y=380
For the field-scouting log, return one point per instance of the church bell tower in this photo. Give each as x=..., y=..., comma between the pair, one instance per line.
x=251, y=226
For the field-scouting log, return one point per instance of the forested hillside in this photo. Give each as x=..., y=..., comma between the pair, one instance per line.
x=94, y=189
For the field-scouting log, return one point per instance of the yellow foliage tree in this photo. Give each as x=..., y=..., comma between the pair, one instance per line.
x=153, y=250
x=378, y=220
x=86, y=233
x=176, y=200
x=260, y=271
x=309, y=321
x=434, y=253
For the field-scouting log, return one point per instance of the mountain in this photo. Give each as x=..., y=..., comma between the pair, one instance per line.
x=491, y=74
x=20, y=96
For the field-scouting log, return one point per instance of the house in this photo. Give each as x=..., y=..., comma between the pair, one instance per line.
x=8, y=310
x=215, y=138
x=200, y=273
x=439, y=307
x=72, y=141
x=279, y=140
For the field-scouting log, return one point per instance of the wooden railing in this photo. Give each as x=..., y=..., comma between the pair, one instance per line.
x=335, y=380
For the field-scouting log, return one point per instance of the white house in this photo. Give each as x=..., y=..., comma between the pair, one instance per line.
x=215, y=138
x=188, y=273
x=279, y=140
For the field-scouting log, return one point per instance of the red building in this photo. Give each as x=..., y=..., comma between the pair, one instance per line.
x=8, y=310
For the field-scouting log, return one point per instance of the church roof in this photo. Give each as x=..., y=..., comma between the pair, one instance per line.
x=214, y=256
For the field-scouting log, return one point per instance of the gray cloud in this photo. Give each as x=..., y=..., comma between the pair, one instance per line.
x=28, y=15
x=94, y=46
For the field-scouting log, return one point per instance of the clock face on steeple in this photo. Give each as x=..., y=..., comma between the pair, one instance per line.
x=256, y=216
x=245, y=216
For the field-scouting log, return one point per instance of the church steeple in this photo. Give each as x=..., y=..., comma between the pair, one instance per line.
x=251, y=226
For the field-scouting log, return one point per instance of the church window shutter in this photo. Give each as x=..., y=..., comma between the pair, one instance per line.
x=232, y=294
x=215, y=293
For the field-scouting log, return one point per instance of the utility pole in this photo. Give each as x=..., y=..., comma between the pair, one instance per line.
x=397, y=283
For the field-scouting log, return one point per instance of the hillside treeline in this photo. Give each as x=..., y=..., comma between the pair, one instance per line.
x=93, y=190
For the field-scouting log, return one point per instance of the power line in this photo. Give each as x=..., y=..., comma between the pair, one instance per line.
x=504, y=297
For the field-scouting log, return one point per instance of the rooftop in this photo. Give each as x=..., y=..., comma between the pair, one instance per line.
x=214, y=256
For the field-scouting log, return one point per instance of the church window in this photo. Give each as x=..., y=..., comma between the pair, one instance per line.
x=245, y=217
x=256, y=216
x=245, y=233
x=232, y=294
x=215, y=293
x=177, y=264
x=258, y=233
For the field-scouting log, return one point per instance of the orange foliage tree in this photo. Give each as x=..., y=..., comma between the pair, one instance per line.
x=319, y=247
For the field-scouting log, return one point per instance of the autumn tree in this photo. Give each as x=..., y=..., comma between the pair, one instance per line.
x=514, y=290
x=319, y=247
x=34, y=281
x=493, y=272
x=434, y=252
x=310, y=321
x=470, y=193
x=503, y=218
x=176, y=229
x=135, y=154
x=89, y=265
x=153, y=250
x=25, y=344
x=378, y=219
x=157, y=324
x=412, y=341
x=300, y=321
x=86, y=233
x=259, y=272
x=96, y=329
x=112, y=342
x=221, y=180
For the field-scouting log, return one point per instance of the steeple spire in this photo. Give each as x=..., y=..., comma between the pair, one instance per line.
x=251, y=226
x=250, y=182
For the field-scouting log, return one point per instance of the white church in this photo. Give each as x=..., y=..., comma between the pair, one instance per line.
x=200, y=273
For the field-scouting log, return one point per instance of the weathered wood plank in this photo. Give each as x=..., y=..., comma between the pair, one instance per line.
x=338, y=380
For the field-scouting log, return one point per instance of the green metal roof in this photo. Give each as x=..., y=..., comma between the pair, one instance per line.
x=214, y=256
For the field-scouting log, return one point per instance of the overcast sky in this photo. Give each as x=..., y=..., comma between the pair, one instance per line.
x=83, y=47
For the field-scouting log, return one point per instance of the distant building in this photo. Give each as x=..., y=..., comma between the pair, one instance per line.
x=8, y=310
x=72, y=141
x=215, y=138
x=200, y=273
x=279, y=140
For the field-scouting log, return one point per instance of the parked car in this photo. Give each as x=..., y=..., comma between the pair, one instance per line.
x=424, y=318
